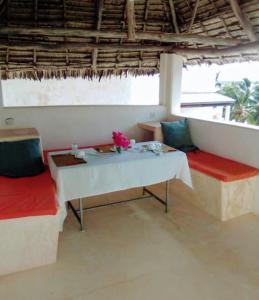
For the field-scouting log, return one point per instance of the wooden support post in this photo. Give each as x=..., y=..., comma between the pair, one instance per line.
x=131, y=19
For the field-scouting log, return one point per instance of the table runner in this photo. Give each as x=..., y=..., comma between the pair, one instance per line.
x=62, y=160
x=110, y=172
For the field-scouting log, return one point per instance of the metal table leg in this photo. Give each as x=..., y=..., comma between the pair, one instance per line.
x=82, y=227
x=78, y=213
x=166, y=196
x=146, y=193
x=143, y=191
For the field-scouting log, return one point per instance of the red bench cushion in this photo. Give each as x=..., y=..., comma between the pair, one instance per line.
x=27, y=196
x=219, y=167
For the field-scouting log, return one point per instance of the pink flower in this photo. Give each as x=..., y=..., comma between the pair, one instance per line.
x=120, y=140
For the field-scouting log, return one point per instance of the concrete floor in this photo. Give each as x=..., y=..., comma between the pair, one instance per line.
x=136, y=251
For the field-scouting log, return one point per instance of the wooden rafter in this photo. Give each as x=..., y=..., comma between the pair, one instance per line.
x=173, y=14
x=94, y=59
x=100, y=4
x=146, y=10
x=243, y=20
x=123, y=20
x=144, y=29
x=65, y=25
x=7, y=10
x=81, y=33
x=194, y=13
x=100, y=7
x=131, y=19
x=220, y=18
x=2, y=9
x=166, y=11
x=35, y=10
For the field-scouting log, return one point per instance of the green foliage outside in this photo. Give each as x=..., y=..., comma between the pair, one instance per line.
x=246, y=95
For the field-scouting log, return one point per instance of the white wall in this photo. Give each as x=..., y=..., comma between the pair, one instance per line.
x=237, y=142
x=231, y=141
x=211, y=112
x=85, y=125
x=130, y=90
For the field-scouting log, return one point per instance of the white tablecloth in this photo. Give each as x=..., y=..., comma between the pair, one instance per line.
x=110, y=172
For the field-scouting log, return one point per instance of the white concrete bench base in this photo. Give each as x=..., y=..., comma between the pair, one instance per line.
x=28, y=242
x=224, y=200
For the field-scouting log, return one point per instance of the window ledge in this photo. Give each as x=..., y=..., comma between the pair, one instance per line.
x=229, y=123
x=84, y=105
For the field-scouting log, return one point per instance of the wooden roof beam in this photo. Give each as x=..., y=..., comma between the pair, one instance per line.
x=63, y=46
x=151, y=36
x=236, y=50
x=131, y=19
x=243, y=20
x=243, y=48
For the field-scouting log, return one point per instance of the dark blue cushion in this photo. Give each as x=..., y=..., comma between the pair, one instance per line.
x=176, y=134
x=21, y=158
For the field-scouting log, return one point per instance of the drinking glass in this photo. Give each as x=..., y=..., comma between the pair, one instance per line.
x=132, y=143
x=74, y=149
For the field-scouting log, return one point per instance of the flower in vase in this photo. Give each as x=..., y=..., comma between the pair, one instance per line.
x=120, y=141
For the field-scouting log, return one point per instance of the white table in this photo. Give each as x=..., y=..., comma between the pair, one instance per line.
x=110, y=172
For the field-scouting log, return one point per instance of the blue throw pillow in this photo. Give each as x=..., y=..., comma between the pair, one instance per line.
x=21, y=158
x=176, y=134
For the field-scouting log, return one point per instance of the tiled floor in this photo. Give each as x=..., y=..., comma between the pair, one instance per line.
x=136, y=251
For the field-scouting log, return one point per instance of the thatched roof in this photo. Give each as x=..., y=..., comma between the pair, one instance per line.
x=59, y=38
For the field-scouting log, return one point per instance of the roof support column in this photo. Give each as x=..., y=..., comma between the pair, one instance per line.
x=171, y=82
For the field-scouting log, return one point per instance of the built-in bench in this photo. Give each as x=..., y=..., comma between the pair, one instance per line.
x=29, y=223
x=221, y=187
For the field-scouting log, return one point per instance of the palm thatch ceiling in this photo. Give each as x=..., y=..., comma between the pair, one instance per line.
x=59, y=38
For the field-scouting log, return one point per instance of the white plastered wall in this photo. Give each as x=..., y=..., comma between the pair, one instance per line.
x=86, y=125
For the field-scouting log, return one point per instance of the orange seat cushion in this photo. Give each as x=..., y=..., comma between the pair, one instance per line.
x=219, y=167
x=27, y=196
